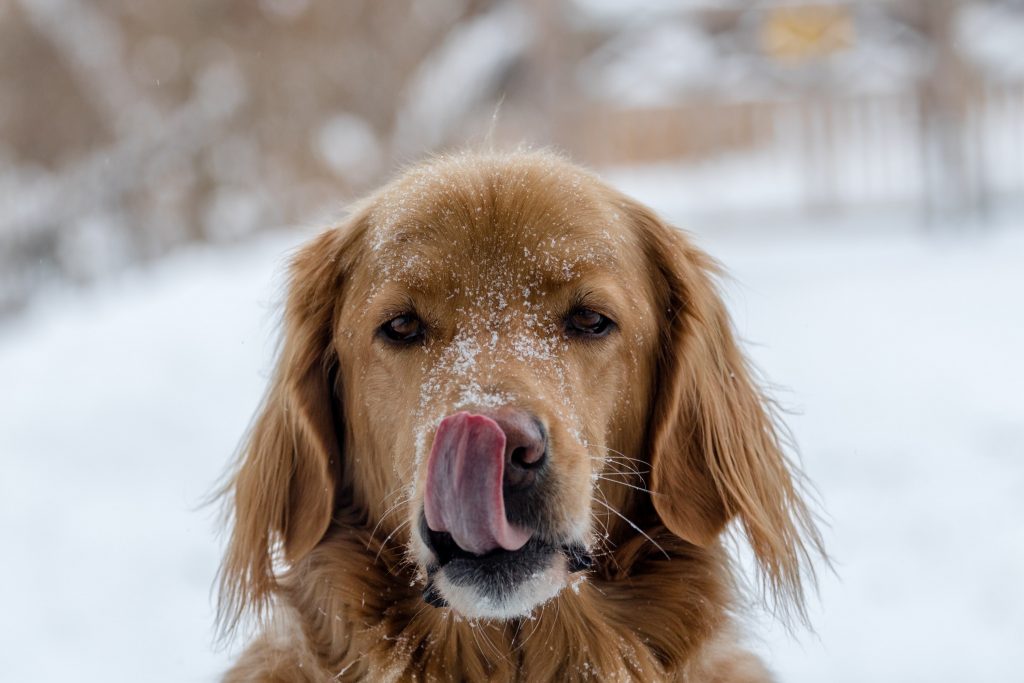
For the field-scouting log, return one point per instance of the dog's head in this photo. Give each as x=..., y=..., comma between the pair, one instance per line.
x=499, y=361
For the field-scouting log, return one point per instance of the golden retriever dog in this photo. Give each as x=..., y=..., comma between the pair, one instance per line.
x=507, y=439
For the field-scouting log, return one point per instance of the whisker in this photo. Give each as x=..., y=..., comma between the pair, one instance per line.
x=605, y=543
x=615, y=466
x=401, y=501
x=533, y=631
x=620, y=459
x=623, y=456
x=405, y=495
x=494, y=648
x=620, y=462
x=623, y=477
x=607, y=533
x=627, y=485
x=635, y=527
x=604, y=526
x=384, y=543
x=480, y=633
x=627, y=469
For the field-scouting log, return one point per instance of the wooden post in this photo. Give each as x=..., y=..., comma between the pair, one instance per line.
x=951, y=186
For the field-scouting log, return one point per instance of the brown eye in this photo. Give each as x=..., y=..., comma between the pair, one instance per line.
x=583, y=322
x=404, y=329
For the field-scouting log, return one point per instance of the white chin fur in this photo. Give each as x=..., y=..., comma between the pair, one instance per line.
x=528, y=595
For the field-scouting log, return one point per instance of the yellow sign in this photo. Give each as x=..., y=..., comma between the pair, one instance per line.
x=804, y=33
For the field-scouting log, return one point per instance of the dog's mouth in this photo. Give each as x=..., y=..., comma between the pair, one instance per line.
x=497, y=582
x=491, y=548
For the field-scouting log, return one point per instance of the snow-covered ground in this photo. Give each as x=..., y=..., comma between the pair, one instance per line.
x=900, y=355
x=904, y=361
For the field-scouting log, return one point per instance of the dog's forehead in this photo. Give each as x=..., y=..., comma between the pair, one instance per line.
x=495, y=223
x=495, y=252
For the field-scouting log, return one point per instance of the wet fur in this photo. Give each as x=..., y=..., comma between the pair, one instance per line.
x=315, y=558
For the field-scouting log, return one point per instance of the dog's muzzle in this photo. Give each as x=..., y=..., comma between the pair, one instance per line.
x=479, y=520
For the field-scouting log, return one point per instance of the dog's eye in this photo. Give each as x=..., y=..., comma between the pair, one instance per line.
x=584, y=322
x=403, y=329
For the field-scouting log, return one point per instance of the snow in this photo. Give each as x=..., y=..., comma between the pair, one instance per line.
x=121, y=406
x=898, y=351
x=903, y=362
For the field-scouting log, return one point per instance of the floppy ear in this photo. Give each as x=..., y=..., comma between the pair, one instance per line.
x=713, y=437
x=283, y=493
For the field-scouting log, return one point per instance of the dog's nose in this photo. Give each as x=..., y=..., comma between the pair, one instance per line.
x=525, y=446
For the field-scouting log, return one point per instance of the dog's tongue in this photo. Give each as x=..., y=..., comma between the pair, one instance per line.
x=464, y=485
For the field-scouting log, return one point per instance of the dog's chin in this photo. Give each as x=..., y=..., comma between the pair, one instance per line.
x=473, y=592
x=502, y=584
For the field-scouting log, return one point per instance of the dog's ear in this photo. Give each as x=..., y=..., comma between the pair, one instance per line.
x=282, y=495
x=713, y=437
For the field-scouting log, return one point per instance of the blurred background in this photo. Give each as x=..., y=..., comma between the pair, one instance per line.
x=858, y=166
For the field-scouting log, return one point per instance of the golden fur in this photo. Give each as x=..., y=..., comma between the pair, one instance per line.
x=489, y=248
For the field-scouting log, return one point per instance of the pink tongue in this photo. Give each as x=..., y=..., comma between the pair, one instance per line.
x=464, y=478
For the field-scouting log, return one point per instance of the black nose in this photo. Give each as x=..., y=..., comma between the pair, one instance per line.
x=525, y=447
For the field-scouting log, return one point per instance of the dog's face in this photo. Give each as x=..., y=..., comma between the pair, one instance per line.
x=496, y=334
x=498, y=363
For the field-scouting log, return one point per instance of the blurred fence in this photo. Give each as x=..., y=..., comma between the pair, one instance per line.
x=829, y=153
